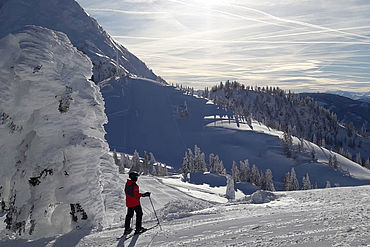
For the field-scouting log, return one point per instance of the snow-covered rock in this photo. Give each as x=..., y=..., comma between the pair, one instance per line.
x=261, y=196
x=109, y=58
x=56, y=173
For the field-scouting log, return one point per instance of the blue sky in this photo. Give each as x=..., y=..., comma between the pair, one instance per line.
x=299, y=45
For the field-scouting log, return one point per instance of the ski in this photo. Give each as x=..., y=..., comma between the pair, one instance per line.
x=130, y=235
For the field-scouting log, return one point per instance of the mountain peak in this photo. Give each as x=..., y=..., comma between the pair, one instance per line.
x=109, y=57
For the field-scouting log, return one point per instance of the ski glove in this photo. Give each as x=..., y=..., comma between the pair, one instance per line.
x=146, y=194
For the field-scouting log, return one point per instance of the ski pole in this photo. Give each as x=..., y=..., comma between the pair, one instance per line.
x=150, y=199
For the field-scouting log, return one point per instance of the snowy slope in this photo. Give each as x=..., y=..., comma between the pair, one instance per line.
x=54, y=160
x=325, y=217
x=347, y=109
x=144, y=116
x=84, y=32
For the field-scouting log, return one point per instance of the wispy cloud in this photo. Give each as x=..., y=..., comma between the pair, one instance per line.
x=300, y=45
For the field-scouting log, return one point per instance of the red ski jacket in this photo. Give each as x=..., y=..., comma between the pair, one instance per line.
x=132, y=194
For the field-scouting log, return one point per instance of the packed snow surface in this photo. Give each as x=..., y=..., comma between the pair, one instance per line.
x=323, y=217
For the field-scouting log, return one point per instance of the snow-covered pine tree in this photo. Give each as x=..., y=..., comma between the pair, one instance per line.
x=358, y=159
x=255, y=176
x=235, y=172
x=115, y=158
x=203, y=164
x=185, y=170
x=367, y=163
x=335, y=162
x=330, y=161
x=230, y=190
x=146, y=163
x=197, y=165
x=287, y=182
x=212, y=163
x=162, y=170
x=244, y=171
x=287, y=144
x=294, y=180
x=136, y=163
x=121, y=167
x=268, y=183
x=306, y=183
x=219, y=166
x=191, y=160
x=152, y=161
x=328, y=185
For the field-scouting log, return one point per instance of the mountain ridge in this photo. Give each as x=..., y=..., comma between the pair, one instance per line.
x=84, y=32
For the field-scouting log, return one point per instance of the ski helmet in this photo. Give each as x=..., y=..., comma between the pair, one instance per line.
x=133, y=176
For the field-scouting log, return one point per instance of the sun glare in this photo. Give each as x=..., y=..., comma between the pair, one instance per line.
x=209, y=3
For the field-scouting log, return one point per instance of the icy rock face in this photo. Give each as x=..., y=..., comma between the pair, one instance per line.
x=84, y=32
x=56, y=174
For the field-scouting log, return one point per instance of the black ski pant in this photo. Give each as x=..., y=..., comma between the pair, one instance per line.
x=130, y=214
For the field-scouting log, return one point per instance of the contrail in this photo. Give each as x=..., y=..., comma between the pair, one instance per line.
x=244, y=41
x=279, y=19
x=301, y=22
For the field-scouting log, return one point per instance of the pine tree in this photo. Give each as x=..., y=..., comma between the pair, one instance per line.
x=328, y=185
x=330, y=162
x=136, y=163
x=268, y=183
x=185, y=166
x=288, y=143
x=287, y=182
x=191, y=160
x=255, y=176
x=306, y=183
x=294, y=180
x=146, y=163
x=219, y=166
x=244, y=171
x=121, y=167
x=203, y=165
x=152, y=162
x=335, y=162
x=115, y=158
x=212, y=163
x=235, y=172
x=358, y=159
x=197, y=159
x=313, y=154
x=367, y=163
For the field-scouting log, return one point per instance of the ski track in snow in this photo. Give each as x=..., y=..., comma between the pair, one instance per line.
x=325, y=217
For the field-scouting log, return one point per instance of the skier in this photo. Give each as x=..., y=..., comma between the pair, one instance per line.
x=133, y=204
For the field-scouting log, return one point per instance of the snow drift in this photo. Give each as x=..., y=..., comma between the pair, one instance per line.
x=56, y=173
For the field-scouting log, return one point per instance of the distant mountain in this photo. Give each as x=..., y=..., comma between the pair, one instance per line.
x=364, y=96
x=346, y=109
x=109, y=58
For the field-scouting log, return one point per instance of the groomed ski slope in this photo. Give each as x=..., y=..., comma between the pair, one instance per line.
x=323, y=217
